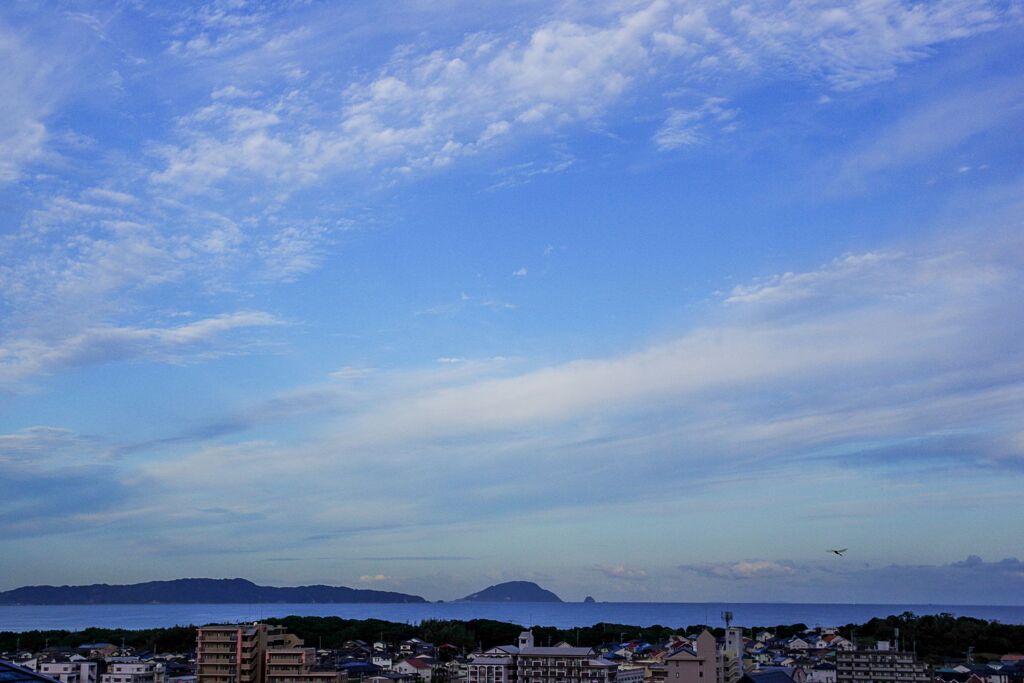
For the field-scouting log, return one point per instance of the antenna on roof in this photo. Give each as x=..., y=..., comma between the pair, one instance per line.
x=727, y=618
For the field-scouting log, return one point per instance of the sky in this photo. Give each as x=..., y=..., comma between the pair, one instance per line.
x=648, y=300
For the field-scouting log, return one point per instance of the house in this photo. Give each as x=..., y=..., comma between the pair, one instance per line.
x=420, y=668
x=414, y=646
x=822, y=673
x=797, y=643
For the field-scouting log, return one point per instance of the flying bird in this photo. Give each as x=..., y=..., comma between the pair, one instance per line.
x=838, y=552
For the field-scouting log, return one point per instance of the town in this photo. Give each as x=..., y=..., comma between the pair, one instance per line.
x=269, y=653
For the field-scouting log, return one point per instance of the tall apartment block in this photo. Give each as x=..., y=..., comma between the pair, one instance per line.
x=231, y=653
x=256, y=653
x=881, y=665
x=732, y=655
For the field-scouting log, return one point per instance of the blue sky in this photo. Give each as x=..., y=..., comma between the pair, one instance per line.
x=646, y=300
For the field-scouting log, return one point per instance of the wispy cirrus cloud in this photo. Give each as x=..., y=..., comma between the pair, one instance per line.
x=41, y=446
x=938, y=126
x=752, y=392
x=25, y=103
x=968, y=581
x=683, y=127
x=22, y=357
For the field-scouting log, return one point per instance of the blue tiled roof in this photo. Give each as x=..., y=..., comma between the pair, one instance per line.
x=772, y=675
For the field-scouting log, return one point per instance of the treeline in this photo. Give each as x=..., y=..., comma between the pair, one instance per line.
x=939, y=637
x=171, y=639
x=934, y=637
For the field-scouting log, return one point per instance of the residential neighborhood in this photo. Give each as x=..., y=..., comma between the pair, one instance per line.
x=266, y=653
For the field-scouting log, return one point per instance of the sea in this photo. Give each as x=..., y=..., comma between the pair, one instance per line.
x=563, y=615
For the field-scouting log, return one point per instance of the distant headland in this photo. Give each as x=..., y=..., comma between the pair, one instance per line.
x=196, y=591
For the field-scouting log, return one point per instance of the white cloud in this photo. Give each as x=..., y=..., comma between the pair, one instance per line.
x=744, y=569
x=26, y=99
x=112, y=196
x=919, y=300
x=686, y=127
x=521, y=272
x=427, y=108
x=22, y=357
x=374, y=578
x=41, y=446
x=351, y=373
x=787, y=375
x=931, y=129
x=621, y=571
x=231, y=92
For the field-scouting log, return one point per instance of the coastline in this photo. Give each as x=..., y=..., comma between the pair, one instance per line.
x=560, y=615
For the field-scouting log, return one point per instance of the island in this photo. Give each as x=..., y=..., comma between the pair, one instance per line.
x=513, y=591
x=194, y=591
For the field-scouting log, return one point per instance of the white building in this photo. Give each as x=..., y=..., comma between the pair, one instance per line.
x=822, y=673
x=130, y=672
x=414, y=666
x=563, y=664
x=78, y=671
x=630, y=675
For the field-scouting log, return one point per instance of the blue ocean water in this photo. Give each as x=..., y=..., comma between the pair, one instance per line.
x=562, y=615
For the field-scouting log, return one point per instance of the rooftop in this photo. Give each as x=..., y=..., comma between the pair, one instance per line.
x=12, y=673
x=557, y=651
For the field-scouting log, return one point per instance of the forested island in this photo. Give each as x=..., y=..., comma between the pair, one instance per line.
x=196, y=591
x=935, y=637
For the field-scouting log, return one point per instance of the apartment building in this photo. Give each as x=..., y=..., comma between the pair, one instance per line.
x=881, y=665
x=230, y=653
x=560, y=664
x=297, y=665
x=497, y=665
x=255, y=653
x=703, y=663
x=525, y=662
x=732, y=656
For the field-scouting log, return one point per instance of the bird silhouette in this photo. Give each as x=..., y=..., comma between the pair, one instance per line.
x=838, y=552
